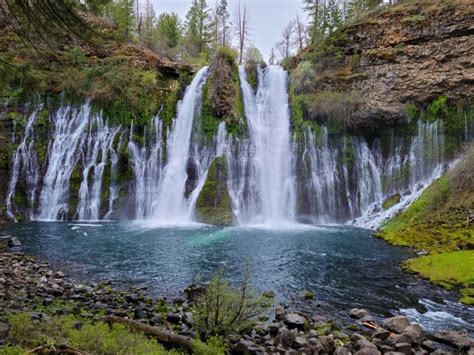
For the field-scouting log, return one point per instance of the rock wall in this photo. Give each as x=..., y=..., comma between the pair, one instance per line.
x=412, y=54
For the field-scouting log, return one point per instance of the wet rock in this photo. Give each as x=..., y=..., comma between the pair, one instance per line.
x=294, y=320
x=139, y=313
x=14, y=242
x=246, y=347
x=396, y=324
x=459, y=339
x=358, y=313
x=156, y=320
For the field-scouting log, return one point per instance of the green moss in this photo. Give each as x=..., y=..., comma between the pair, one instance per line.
x=467, y=296
x=391, y=201
x=453, y=268
x=213, y=204
x=213, y=346
x=413, y=18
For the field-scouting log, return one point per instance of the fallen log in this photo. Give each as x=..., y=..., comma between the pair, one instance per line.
x=61, y=349
x=163, y=336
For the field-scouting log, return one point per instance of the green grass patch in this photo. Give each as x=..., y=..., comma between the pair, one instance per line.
x=447, y=269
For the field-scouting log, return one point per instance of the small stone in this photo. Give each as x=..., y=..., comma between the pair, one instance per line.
x=156, y=320
x=368, y=351
x=430, y=345
x=273, y=329
x=280, y=312
x=364, y=343
x=59, y=274
x=459, y=339
x=341, y=351
x=139, y=313
x=381, y=334
x=396, y=324
x=358, y=313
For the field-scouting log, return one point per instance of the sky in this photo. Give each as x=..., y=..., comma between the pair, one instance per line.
x=267, y=17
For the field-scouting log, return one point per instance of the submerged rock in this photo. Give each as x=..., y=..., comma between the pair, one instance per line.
x=14, y=242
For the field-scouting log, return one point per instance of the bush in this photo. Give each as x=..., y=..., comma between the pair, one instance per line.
x=227, y=53
x=223, y=310
x=303, y=77
x=213, y=346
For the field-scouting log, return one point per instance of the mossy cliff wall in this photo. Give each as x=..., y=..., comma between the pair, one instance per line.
x=213, y=204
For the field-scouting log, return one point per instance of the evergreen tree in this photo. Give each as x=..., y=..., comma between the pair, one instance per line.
x=149, y=20
x=123, y=16
x=168, y=34
x=224, y=23
x=198, y=28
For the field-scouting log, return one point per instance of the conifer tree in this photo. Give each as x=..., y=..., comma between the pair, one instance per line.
x=198, y=28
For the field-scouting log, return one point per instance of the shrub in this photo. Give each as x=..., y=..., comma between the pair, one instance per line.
x=213, y=346
x=223, y=310
x=303, y=77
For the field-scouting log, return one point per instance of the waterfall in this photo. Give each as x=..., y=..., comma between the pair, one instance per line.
x=147, y=165
x=113, y=187
x=63, y=154
x=172, y=206
x=96, y=151
x=269, y=129
x=25, y=159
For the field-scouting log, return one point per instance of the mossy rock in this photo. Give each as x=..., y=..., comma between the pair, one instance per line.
x=213, y=204
x=391, y=201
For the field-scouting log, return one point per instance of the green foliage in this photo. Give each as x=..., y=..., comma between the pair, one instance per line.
x=223, y=309
x=303, y=77
x=92, y=338
x=213, y=205
x=12, y=350
x=213, y=346
x=436, y=108
x=413, y=18
x=169, y=33
x=75, y=56
x=412, y=111
x=198, y=33
x=123, y=16
x=391, y=201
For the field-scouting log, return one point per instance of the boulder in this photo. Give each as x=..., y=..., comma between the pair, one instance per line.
x=368, y=351
x=324, y=344
x=396, y=324
x=286, y=337
x=294, y=320
x=459, y=339
x=280, y=312
x=415, y=332
x=404, y=348
x=300, y=342
x=14, y=242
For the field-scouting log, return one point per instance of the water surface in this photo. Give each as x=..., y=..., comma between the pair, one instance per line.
x=344, y=267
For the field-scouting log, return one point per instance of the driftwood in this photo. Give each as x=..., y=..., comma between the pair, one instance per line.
x=163, y=336
x=61, y=349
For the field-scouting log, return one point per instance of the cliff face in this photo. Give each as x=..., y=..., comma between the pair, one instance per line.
x=412, y=54
x=407, y=54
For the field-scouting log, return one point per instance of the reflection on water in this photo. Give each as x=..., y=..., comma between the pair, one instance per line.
x=343, y=266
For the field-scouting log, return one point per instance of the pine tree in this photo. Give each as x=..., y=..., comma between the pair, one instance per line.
x=149, y=20
x=224, y=23
x=272, y=58
x=122, y=13
x=198, y=28
x=168, y=34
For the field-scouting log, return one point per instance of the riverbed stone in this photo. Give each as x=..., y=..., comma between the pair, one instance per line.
x=368, y=351
x=459, y=339
x=286, y=337
x=381, y=334
x=415, y=332
x=14, y=242
x=404, y=348
x=396, y=324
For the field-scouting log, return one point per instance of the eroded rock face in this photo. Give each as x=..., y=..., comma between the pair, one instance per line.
x=410, y=55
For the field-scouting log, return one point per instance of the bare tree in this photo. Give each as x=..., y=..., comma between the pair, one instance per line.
x=272, y=58
x=242, y=29
x=286, y=44
x=300, y=33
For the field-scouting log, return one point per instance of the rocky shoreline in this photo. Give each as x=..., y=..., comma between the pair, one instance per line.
x=30, y=285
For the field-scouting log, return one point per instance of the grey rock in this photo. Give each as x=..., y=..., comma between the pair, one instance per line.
x=324, y=344
x=300, y=342
x=286, y=337
x=294, y=320
x=459, y=339
x=364, y=343
x=415, y=332
x=404, y=348
x=441, y=352
x=280, y=312
x=430, y=345
x=358, y=313
x=341, y=351
x=247, y=347
x=396, y=324
x=381, y=334
x=173, y=318
x=368, y=351
x=14, y=242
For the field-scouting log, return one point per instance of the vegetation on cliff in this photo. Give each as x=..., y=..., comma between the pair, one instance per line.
x=441, y=222
x=213, y=205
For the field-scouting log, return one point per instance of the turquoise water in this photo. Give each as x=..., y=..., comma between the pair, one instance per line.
x=344, y=267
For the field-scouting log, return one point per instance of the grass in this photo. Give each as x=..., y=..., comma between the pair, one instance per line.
x=446, y=269
x=439, y=222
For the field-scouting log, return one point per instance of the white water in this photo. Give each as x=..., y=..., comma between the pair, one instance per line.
x=24, y=159
x=63, y=154
x=268, y=118
x=172, y=206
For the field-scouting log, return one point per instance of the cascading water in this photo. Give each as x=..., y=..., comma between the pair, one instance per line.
x=68, y=139
x=269, y=129
x=99, y=144
x=25, y=159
